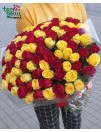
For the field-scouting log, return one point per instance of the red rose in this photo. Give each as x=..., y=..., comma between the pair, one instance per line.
x=83, y=52
x=29, y=86
x=65, y=38
x=19, y=44
x=7, y=70
x=59, y=91
x=73, y=20
x=88, y=70
x=22, y=92
x=35, y=59
x=77, y=65
x=19, y=82
x=47, y=83
x=3, y=61
x=13, y=49
x=9, y=86
x=37, y=73
x=40, y=50
x=23, y=65
x=26, y=55
x=38, y=94
x=72, y=32
x=9, y=65
x=3, y=75
x=76, y=21
x=59, y=75
x=13, y=60
x=55, y=22
x=73, y=45
x=51, y=34
x=41, y=82
x=49, y=57
x=94, y=48
x=57, y=65
x=30, y=38
x=81, y=31
x=39, y=40
x=66, y=28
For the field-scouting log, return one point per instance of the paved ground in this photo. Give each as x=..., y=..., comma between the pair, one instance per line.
x=11, y=118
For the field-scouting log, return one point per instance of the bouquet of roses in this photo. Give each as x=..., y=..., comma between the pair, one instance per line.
x=54, y=60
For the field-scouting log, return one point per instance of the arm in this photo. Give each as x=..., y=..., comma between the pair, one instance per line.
x=25, y=20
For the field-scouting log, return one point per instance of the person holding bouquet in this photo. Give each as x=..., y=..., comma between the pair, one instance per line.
x=31, y=15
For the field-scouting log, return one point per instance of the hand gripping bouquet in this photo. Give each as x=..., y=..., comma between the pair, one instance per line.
x=50, y=62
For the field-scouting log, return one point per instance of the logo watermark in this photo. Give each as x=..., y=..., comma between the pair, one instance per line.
x=13, y=12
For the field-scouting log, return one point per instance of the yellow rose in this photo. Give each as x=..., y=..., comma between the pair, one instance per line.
x=61, y=45
x=17, y=63
x=58, y=54
x=55, y=28
x=67, y=66
x=66, y=53
x=4, y=84
x=44, y=65
x=8, y=57
x=76, y=38
x=61, y=18
x=63, y=23
x=17, y=39
x=79, y=85
x=71, y=76
x=16, y=72
x=79, y=25
x=48, y=74
x=24, y=47
x=48, y=94
x=32, y=47
x=7, y=51
x=23, y=38
x=18, y=54
x=49, y=42
x=69, y=88
x=39, y=33
x=35, y=84
x=61, y=32
x=14, y=90
x=46, y=24
x=8, y=76
x=13, y=80
x=31, y=66
x=85, y=40
x=94, y=59
x=71, y=25
x=3, y=68
x=74, y=57
x=26, y=77
x=29, y=98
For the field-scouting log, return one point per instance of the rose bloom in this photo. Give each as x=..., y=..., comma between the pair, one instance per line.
x=79, y=85
x=74, y=57
x=83, y=52
x=71, y=76
x=67, y=52
x=44, y=65
x=59, y=75
x=29, y=98
x=69, y=88
x=48, y=74
x=94, y=59
x=88, y=70
x=48, y=94
x=85, y=40
x=94, y=48
x=22, y=92
x=77, y=66
x=58, y=54
x=59, y=91
x=73, y=45
x=38, y=94
x=57, y=65
x=67, y=66
x=37, y=73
